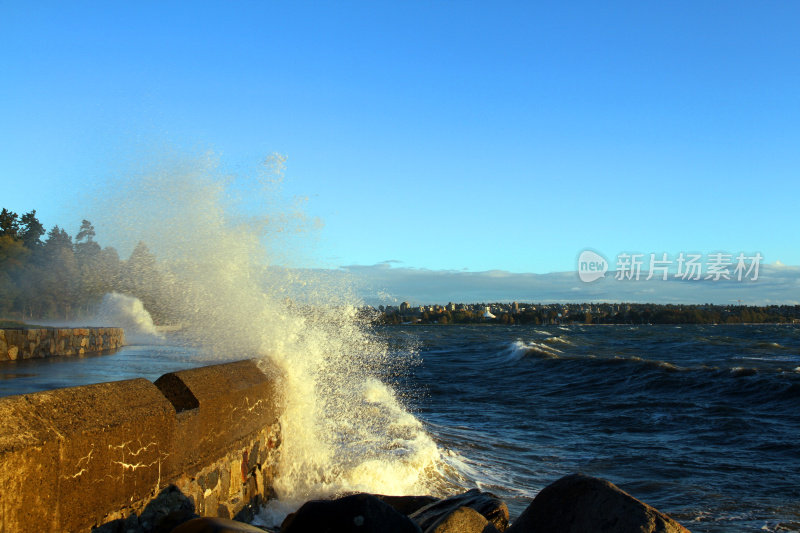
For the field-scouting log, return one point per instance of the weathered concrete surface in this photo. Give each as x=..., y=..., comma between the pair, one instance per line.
x=32, y=343
x=69, y=457
x=73, y=459
x=217, y=406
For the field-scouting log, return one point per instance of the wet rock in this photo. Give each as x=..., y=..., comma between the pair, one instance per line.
x=215, y=525
x=583, y=504
x=167, y=511
x=121, y=525
x=250, y=510
x=407, y=504
x=487, y=504
x=462, y=520
x=359, y=513
x=172, y=520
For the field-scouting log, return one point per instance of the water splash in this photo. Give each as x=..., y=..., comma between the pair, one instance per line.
x=222, y=274
x=128, y=313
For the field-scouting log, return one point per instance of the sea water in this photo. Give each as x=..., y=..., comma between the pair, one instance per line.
x=701, y=422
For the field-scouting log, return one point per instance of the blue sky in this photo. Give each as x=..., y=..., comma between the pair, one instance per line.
x=442, y=135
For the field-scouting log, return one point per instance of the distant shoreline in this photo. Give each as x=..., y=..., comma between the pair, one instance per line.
x=491, y=324
x=586, y=313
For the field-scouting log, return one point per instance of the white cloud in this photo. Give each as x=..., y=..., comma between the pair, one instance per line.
x=385, y=284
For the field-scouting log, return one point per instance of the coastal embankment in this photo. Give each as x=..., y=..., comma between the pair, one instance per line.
x=130, y=454
x=33, y=343
x=197, y=448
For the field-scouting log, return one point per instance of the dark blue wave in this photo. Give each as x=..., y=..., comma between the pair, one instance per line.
x=700, y=421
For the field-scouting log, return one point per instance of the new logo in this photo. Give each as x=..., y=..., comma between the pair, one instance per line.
x=591, y=266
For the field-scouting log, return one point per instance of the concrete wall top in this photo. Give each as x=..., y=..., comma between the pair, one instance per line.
x=69, y=455
x=75, y=458
x=216, y=407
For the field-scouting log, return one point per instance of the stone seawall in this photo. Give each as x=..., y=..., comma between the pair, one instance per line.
x=31, y=343
x=120, y=456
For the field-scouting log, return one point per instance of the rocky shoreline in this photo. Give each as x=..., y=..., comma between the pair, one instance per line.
x=574, y=504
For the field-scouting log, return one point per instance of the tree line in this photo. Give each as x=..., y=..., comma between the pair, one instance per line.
x=51, y=275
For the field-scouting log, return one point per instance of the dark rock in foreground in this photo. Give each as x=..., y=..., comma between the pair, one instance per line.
x=574, y=504
x=407, y=504
x=488, y=505
x=362, y=513
x=584, y=504
x=215, y=525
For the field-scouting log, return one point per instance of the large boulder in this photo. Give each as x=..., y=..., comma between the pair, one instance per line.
x=462, y=520
x=215, y=525
x=487, y=504
x=583, y=504
x=407, y=504
x=359, y=513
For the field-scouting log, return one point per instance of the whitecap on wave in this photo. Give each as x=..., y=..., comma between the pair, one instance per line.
x=557, y=339
x=520, y=349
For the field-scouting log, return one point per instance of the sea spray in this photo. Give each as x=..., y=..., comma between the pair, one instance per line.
x=218, y=275
x=128, y=313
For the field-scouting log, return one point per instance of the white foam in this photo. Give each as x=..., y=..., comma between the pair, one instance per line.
x=557, y=339
x=520, y=349
x=128, y=313
x=517, y=350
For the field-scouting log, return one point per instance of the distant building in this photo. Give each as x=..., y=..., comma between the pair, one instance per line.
x=404, y=307
x=488, y=314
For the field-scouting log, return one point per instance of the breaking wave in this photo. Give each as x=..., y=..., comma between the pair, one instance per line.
x=225, y=248
x=127, y=312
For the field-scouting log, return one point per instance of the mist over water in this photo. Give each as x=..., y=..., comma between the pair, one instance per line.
x=218, y=276
x=126, y=312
